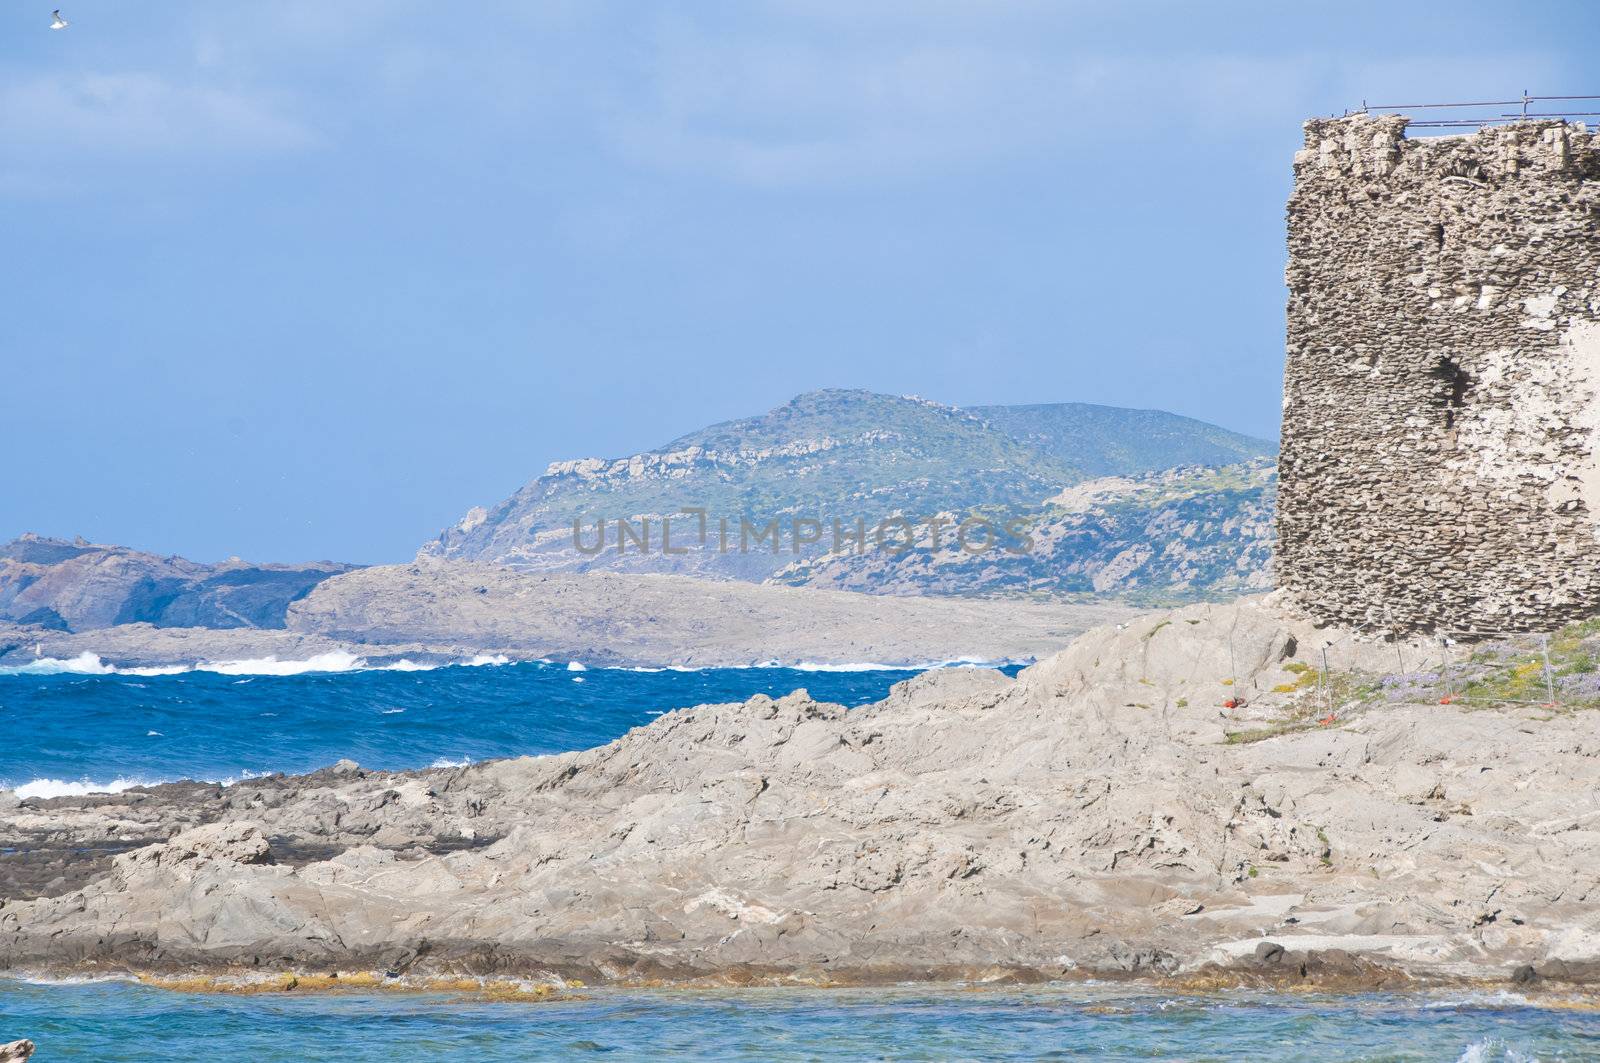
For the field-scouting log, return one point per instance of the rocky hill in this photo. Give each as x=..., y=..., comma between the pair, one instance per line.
x=747, y=498
x=1112, y=441
x=1193, y=532
x=81, y=586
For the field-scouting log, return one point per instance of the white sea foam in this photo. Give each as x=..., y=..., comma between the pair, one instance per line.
x=1499, y=998
x=446, y=762
x=391, y=712
x=83, y=664
x=71, y=979
x=333, y=661
x=1493, y=1050
x=65, y=788
x=819, y=666
x=87, y=663
x=47, y=788
x=879, y=666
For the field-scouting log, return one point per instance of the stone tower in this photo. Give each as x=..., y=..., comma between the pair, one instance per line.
x=1440, y=465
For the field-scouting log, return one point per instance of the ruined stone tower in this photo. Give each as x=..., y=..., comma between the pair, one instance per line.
x=1440, y=466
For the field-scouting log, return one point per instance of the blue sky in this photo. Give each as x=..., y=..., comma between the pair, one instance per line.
x=298, y=280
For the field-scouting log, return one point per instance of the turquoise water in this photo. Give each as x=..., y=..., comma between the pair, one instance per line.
x=114, y=1021
x=66, y=728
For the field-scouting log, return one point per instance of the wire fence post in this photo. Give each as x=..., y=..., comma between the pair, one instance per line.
x=1444, y=668
x=1549, y=675
x=1324, y=681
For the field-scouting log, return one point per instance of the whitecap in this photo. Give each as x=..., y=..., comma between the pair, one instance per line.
x=483, y=659
x=1490, y=1049
x=577, y=679
x=46, y=788
x=79, y=788
x=405, y=664
x=830, y=666
x=446, y=762
x=576, y=666
x=391, y=712
x=154, y=734
x=85, y=663
x=333, y=661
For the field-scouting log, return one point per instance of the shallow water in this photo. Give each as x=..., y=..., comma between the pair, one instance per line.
x=62, y=729
x=106, y=1021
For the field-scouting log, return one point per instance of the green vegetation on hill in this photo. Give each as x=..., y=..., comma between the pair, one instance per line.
x=1110, y=441
x=1180, y=535
x=841, y=455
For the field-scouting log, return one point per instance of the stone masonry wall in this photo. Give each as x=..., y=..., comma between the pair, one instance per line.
x=1439, y=467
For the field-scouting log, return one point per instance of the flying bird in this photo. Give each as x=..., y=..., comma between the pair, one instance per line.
x=57, y=22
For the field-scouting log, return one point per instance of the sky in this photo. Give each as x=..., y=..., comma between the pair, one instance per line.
x=299, y=280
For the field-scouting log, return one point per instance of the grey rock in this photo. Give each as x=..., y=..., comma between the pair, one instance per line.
x=59, y=585
x=441, y=611
x=1269, y=952
x=968, y=826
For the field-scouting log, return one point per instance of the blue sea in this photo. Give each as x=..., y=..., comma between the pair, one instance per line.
x=72, y=726
x=134, y=1024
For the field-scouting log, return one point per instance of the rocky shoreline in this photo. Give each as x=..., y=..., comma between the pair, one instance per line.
x=1098, y=816
x=439, y=612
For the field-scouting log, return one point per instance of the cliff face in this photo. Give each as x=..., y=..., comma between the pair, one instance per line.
x=827, y=456
x=81, y=586
x=1439, y=466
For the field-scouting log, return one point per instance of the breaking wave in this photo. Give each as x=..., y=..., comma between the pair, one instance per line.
x=87, y=663
x=1493, y=1050
x=47, y=788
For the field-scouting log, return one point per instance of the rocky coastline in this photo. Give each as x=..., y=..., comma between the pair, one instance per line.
x=444, y=611
x=1100, y=815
